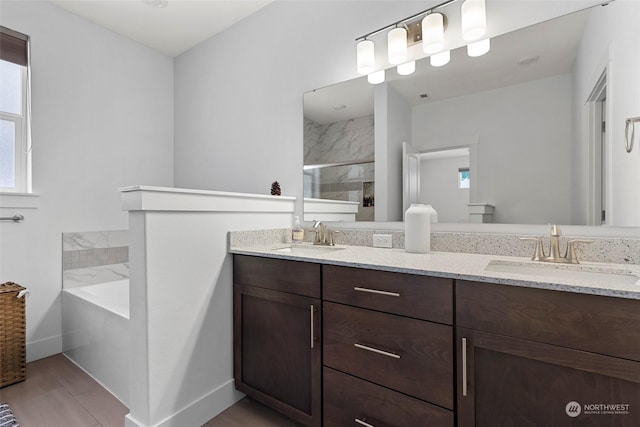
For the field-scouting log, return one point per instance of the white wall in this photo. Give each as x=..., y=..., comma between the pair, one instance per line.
x=610, y=40
x=513, y=157
x=181, y=314
x=439, y=188
x=398, y=120
x=102, y=119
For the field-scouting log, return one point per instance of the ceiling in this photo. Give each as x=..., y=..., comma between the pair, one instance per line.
x=171, y=30
x=532, y=53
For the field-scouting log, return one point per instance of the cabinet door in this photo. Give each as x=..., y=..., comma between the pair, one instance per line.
x=505, y=381
x=277, y=357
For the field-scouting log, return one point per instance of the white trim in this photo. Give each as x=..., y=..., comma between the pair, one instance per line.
x=19, y=200
x=44, y=348
x=200, y=411
x=146, y=198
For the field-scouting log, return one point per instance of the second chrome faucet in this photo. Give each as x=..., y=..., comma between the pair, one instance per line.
x=555, y=254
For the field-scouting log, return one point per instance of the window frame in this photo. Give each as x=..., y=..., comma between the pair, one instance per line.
x=20, y=153
x=22, y=142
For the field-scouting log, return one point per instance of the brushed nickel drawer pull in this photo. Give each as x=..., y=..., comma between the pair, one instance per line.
x=362, y=423
x=375, y=350
x=464, y=367
x=313, y=338
x=375, y=291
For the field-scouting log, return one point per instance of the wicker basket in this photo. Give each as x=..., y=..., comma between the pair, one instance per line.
x=12, y=334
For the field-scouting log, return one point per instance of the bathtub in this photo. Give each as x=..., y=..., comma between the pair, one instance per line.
x=95, y=333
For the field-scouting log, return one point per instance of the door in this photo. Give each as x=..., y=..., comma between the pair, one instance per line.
x=505, y=381
x=410, y=176
x=277, y=356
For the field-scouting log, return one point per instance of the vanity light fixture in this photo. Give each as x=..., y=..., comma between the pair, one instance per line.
x=479, y=48
x=426, y=27
x=376, y=77
x=433, y=26
x=440, y=59
x=406, y=68
x=397, y=45
x=366, y=56
x=474, y=19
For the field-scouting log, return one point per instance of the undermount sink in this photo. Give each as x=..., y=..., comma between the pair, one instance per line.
x=564, y=271
x=302, y=248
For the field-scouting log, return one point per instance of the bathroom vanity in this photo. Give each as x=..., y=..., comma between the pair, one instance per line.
x=378, y=337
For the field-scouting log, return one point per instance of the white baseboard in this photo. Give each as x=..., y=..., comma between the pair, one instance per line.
x=200, y=411
x=44, y=348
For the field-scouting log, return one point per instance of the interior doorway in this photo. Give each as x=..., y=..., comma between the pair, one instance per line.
x=598, y=153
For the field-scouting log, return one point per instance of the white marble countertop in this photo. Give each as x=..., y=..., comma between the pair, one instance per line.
x=464, y=266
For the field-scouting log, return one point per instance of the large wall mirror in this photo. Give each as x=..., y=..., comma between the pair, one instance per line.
x=515, y=136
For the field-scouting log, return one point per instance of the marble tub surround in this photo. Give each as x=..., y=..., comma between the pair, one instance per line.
x=618, y=250
x=94, y=257
x=92, y=275
x=462, y=266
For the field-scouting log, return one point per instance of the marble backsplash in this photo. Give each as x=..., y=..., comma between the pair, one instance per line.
x=617, y=250
x=94, y=257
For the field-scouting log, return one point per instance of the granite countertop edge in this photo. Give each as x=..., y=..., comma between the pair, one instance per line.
x=453, y=265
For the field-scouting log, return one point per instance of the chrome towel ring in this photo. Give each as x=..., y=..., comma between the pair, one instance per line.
x=628, y=142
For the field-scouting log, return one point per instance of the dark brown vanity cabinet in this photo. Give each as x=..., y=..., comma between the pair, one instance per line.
x=388, y=349
x=532, y=357
x=277, y=335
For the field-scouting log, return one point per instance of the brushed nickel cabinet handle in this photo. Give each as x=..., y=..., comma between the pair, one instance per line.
x=464, y=367
x=375, y=350
x=362, y=423
x=313, y=338
x=375, y=291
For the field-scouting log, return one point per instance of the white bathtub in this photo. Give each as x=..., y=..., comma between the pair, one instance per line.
x=95, y=333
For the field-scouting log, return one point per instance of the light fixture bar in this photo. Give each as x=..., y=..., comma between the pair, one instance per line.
x=402, y=21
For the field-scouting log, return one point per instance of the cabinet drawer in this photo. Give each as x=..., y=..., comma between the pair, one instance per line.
x=593, y=323
x=347, y=398
x=408, y=355
x=295, y=277
x=422, y=297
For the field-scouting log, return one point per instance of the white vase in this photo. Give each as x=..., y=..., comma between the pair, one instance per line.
x=417, y=228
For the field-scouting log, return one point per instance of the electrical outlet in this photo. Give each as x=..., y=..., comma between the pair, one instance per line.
x=382, y=241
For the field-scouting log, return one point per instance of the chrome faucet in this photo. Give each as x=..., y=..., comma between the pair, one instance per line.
x=569, y=256
x=324, y=236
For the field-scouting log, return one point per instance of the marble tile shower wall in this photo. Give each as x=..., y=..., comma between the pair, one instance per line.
x=339, y=141
x=94, y=257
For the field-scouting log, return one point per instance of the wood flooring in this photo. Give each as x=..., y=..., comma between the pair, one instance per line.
x=57, y=393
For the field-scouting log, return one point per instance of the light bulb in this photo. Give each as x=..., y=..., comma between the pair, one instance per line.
x=406, y=68
x=474, y=19
x=376, y=77
x=479, y=48
x=397, y=46
x=433, y=33
x=365, y=57
x=440, y=59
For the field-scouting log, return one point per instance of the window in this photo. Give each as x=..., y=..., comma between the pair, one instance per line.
x=14, y=118
x=464, y=178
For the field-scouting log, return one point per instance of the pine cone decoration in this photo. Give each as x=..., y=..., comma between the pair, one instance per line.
x=275, y=189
